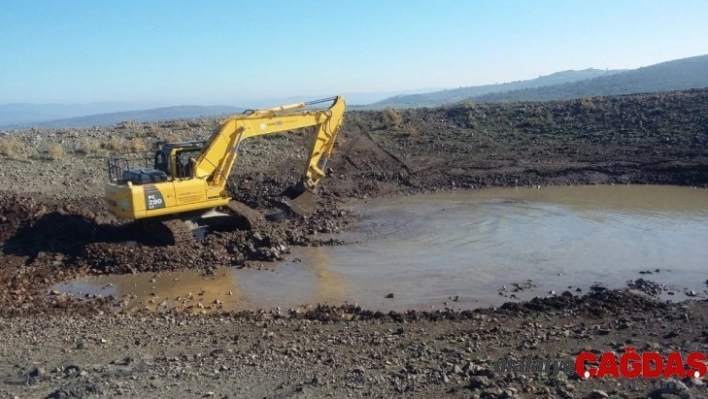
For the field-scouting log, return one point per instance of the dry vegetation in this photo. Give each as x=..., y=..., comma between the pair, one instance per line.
x=19, y=150
x=97, y=148
x=172, y=137
x=198, y=123
x=15, y=148
x=55, y=151
x=115, y=144
x=177, y=124
x=129, y=125
x=90, y=147
x=137, y=145
x=391, y=118
x=151, y=128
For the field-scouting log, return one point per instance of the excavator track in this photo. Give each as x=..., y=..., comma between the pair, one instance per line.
x=251, y=218
x=169, y=232
x=179, y=231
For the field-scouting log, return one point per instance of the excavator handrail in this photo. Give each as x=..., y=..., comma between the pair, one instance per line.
x=304, y=104
x=322, y=100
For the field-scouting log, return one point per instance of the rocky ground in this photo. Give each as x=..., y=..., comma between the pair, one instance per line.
x=53, y=227
x=347, y=352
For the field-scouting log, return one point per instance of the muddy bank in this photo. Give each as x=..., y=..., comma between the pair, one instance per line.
x=44, y=242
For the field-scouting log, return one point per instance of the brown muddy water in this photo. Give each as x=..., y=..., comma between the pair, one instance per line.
x=463, y=250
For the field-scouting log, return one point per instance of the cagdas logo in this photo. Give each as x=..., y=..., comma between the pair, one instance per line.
x=645, y=365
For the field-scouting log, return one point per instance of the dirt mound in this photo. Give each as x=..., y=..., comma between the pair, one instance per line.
x=646, y=286
x=599, y=302
x=30, y=226
x=595, y=304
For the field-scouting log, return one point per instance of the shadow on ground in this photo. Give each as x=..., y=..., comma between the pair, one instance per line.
x=67, y=234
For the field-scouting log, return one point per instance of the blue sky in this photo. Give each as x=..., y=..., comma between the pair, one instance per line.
x=232, y=52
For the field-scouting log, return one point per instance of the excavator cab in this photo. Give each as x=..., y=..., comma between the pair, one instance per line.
x=176, y=160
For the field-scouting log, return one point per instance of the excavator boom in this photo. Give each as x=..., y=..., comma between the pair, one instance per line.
x=216, y=162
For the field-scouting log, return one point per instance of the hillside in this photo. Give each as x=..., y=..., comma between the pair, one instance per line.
x=655, y=138
x=456, y=95
x=687, y=73
x=20, y=115
x=149, y=115
x=682, y=74
x=25, y=114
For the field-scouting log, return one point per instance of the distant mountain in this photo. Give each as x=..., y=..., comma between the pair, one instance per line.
x=21, y=113
x=682, y=74
x=148, y=115
x=686, y=73
x=352, y=98
x=456, y=95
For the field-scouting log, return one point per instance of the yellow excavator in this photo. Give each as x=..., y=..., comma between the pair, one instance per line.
x=184, y=190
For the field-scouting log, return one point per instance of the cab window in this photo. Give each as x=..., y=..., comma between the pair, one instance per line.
x=184, y=166
x=161, y=162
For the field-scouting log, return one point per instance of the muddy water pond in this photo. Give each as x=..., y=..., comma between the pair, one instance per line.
x=465, y=250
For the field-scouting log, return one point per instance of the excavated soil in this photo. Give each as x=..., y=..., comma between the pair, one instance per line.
x=45, y=242
x=53, y=228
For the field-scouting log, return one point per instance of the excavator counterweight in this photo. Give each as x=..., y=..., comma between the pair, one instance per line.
x=185, y=187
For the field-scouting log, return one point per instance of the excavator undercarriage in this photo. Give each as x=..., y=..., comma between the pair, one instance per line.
x=179, y=229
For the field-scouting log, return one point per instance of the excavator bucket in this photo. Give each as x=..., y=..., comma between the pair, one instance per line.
x=300, y=201
x=304, y=204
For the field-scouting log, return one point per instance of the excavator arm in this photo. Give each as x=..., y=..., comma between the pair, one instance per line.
x=221, y=152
